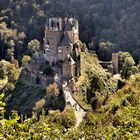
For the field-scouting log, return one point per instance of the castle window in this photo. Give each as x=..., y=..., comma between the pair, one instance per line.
x=50, y=28
x=48, y=42
x=59, y=50
x=47, y=48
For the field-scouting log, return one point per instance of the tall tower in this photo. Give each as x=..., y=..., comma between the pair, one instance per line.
x=60, y=36
x=53, y=35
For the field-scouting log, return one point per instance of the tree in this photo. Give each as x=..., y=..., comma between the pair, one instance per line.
x=52, y=91
x=25, y=59
x=34, y=45
x=3, y=69
x=2, y=105
x=10, y=54
x=105, y=50
x=8, y=70
x=126, y=63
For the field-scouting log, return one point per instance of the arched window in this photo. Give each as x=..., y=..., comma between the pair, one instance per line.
x=60, y=50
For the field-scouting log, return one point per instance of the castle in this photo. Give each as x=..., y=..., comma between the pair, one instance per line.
x=60, y=57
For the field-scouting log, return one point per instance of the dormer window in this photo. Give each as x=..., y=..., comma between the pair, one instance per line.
x=50, y=28
x=47, y=48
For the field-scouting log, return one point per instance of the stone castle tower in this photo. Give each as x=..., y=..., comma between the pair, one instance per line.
x=61, y=53
x=60, y=36
x=115, y=62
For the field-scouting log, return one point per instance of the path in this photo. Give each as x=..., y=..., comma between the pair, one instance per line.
x=77, y=108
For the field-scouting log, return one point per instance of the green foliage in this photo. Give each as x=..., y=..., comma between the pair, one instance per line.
x=118, y=118
x=117, y=115
x=95, y=83
x=3, y=71
x=10, y=41
x=105, y=50
x=105, y=44
x=27, y=97
x=65, y=118
x=25, y=59
x=52, y=91
x=29, y=128
x=126, y=64
x=34, y=45
x=10, y=54
x=8, y=70
x=39, y=105
x=2, y=105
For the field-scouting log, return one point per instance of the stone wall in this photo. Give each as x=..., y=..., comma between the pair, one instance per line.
x=52, y=40
x=38, y=78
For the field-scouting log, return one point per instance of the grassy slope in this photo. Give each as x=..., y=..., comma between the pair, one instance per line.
x=91, y=71
x=28, y=97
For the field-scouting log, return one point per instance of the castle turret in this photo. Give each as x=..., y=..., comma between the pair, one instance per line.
x=60, y=24
x=68, y=68
x=61, y=53
x=61, y=35
x=115, y=62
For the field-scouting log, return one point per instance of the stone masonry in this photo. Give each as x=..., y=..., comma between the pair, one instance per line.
x=60, y=56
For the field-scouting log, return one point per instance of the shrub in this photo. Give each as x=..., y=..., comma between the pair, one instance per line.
x=39, y=105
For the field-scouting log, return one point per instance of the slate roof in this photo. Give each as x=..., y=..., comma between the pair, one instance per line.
x=70, y=60
x=38, y=57
x=65, y=40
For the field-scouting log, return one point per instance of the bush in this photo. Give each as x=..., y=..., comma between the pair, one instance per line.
x=39, y=105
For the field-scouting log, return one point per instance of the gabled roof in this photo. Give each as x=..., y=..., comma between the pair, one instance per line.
x=65, y=40
x=70, y=60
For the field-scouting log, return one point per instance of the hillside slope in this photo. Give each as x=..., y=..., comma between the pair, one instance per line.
x=95, y=84
x=27, y=97
x=119, y=118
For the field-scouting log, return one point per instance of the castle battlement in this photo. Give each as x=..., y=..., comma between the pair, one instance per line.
x=59, y=24
x=60, y=37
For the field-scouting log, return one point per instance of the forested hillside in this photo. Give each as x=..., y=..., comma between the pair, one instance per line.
x=117, y=119
x=110, y=101
x=116, y=21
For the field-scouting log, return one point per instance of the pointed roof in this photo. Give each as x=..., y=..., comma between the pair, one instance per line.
x=66, y=40
x=70, y=60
